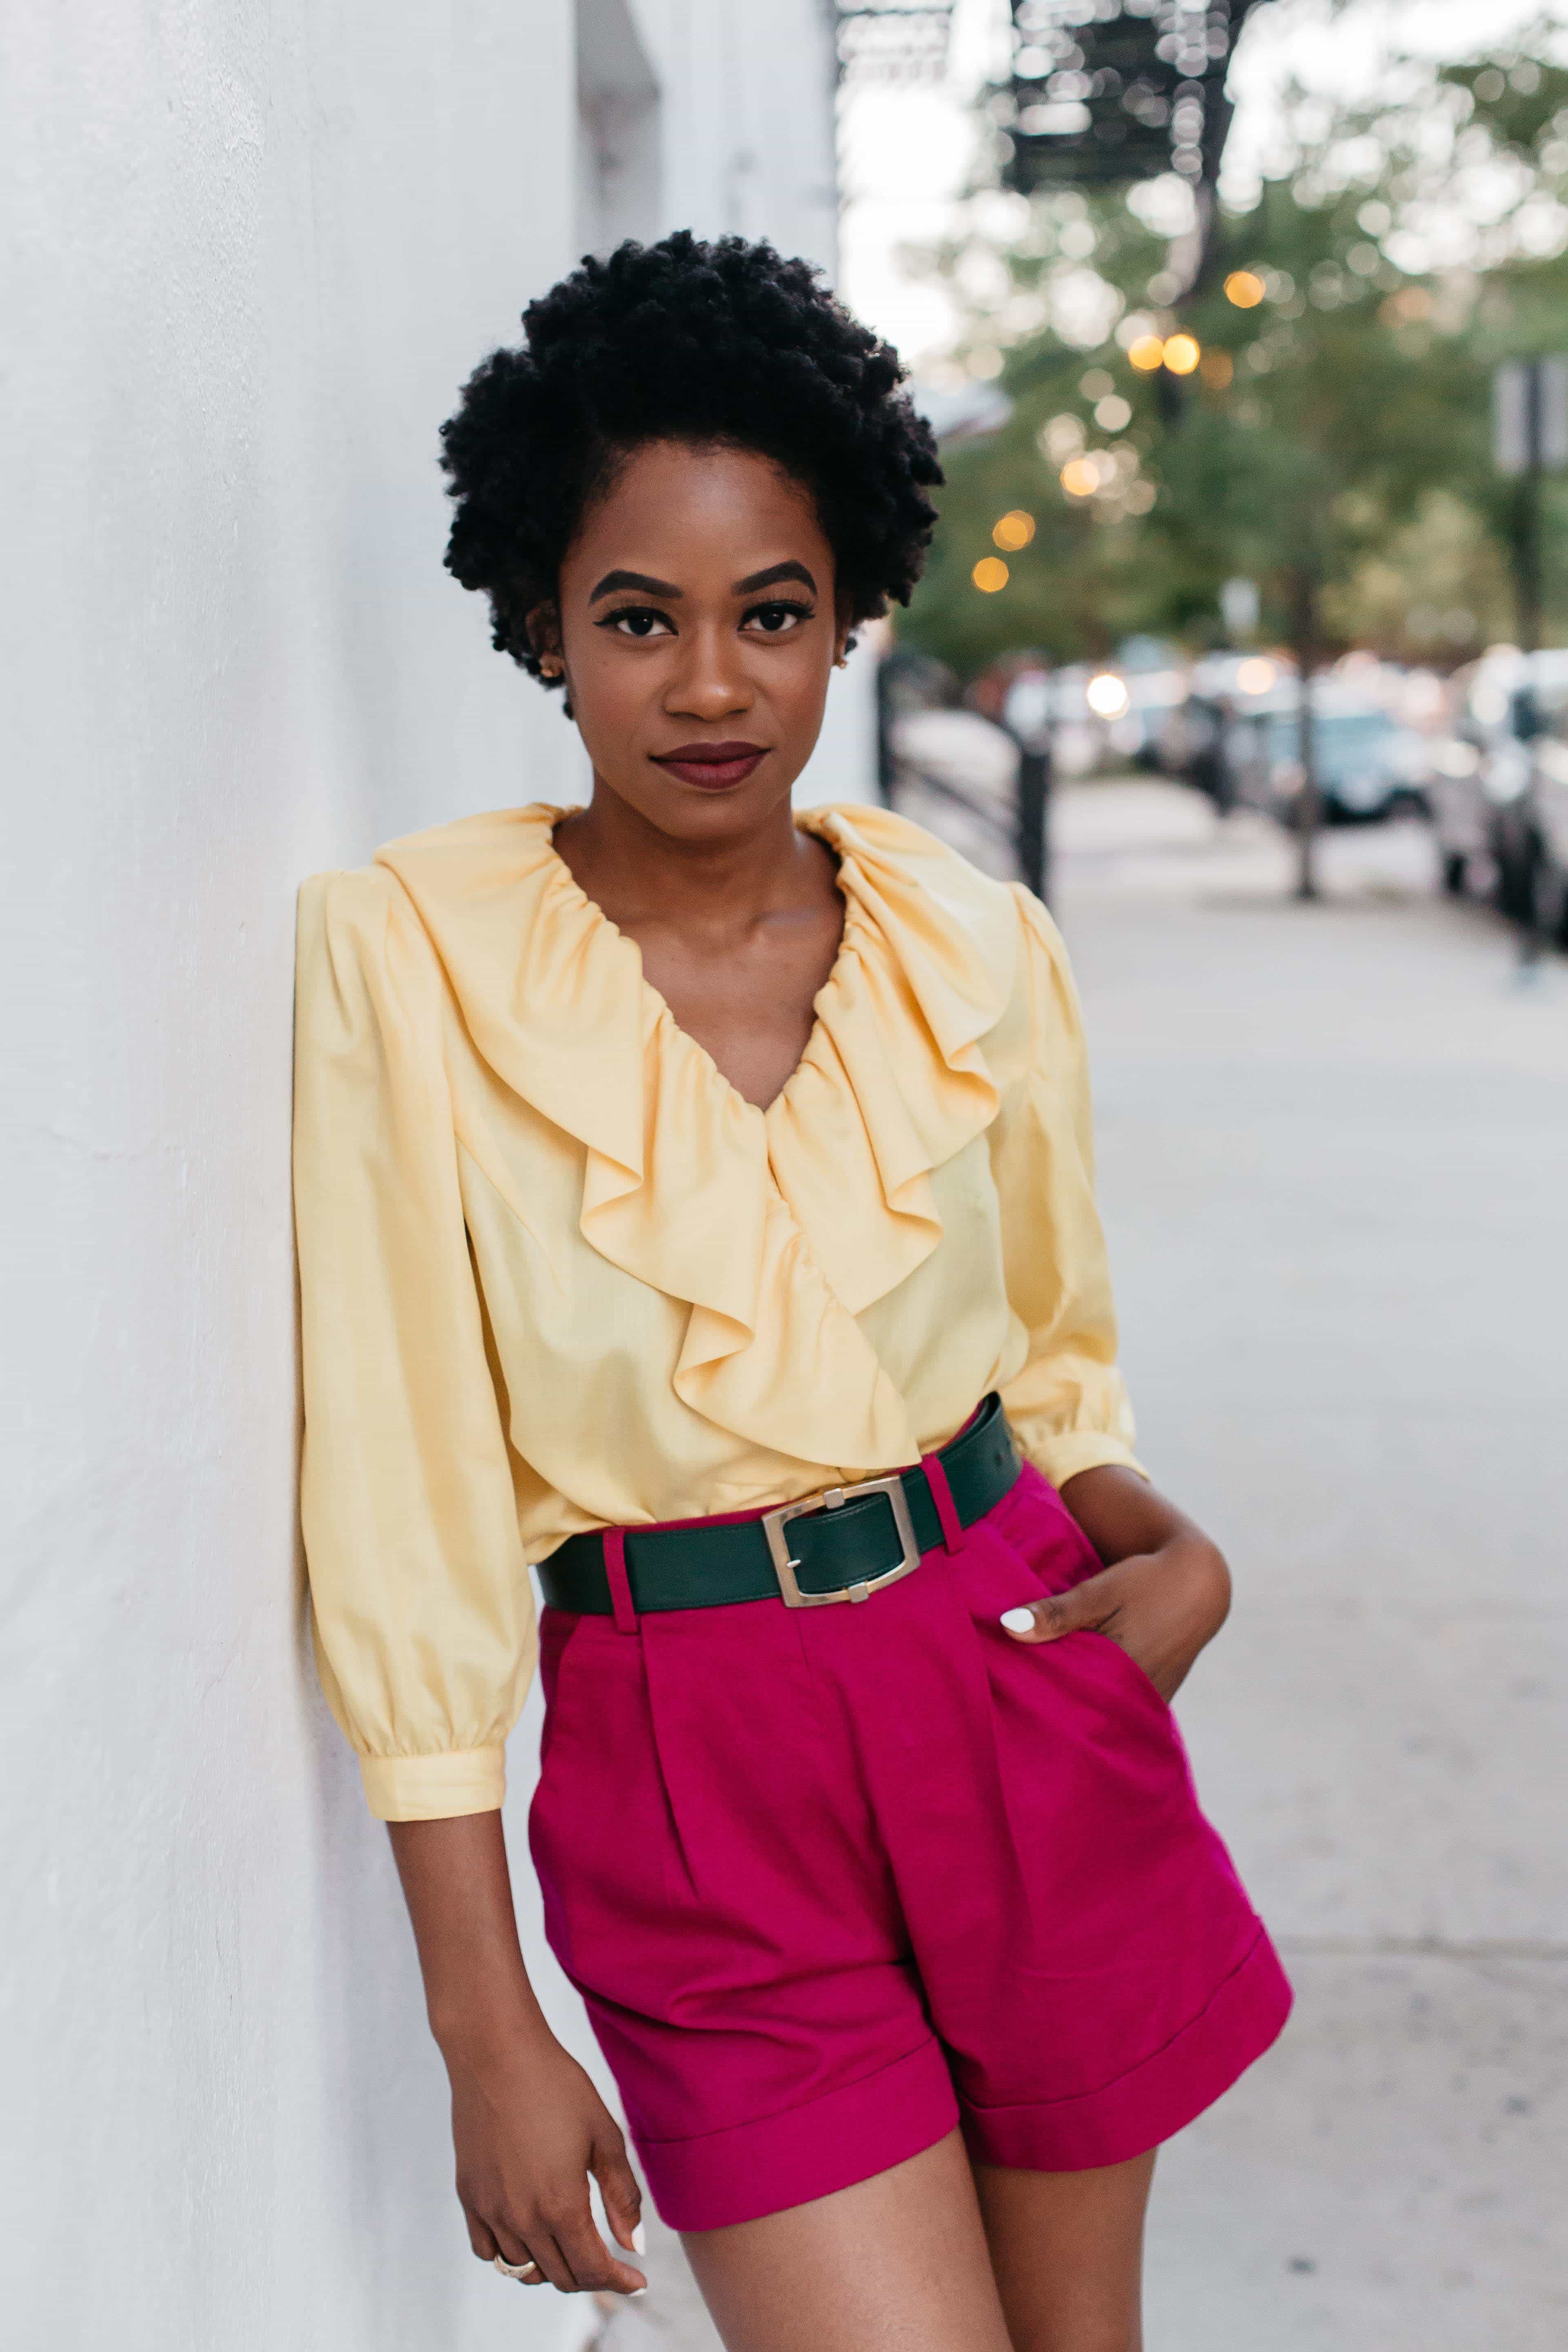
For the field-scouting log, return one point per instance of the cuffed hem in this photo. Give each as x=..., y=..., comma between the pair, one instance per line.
x=434, y=1788
x=1153, y=2101
x=830, y=2143
x=1063, y=1456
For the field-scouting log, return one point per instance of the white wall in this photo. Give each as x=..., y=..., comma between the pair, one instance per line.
x=251, y=255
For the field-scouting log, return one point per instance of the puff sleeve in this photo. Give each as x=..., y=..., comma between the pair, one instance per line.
x=1068, y=1404
x=422, y=1606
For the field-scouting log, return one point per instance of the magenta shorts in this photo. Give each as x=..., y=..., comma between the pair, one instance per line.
x=832, y=1881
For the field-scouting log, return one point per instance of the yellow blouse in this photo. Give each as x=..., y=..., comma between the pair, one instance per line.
x=557, y=1272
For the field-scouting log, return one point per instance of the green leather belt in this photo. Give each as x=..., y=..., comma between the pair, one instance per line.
x=840, y=1545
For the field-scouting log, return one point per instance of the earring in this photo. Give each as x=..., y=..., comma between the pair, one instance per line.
x=550, y=666
x=841, y=661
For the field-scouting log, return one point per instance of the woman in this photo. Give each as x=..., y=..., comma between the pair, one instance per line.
x=695, y=1203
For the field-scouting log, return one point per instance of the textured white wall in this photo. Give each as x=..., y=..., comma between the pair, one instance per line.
x=250, y=254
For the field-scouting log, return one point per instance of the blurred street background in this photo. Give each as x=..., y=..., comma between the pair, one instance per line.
x=1248, y=346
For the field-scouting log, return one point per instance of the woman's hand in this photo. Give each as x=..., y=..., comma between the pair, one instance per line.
x=1165, y=1593
x=527, y=2123
x=529, y=2127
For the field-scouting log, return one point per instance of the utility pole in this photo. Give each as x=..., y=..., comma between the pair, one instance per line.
x=1034, y=792
x=1028, y=713
x=1529, y=437
x=1309, y=807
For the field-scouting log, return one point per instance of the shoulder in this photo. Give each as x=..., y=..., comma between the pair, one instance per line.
x=986, y=959
x=866, y=828
x=355, y=901
x=924, y=882
x=399, y=905
x=364, y=967
x=351, y=922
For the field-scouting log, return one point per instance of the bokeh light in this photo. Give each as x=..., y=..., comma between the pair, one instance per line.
x=1245, y=288
x=1080, y=477
x=990, y=574
x=1182, y=354
x=1146, y=352
x=1106, y=696
x=1216, y=368
x=1113, y=414
x=1255, y=674
x=1014, y=530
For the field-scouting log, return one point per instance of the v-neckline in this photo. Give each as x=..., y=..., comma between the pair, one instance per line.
x=661, y=1010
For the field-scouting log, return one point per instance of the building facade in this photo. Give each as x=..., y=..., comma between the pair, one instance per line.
x=251, y=254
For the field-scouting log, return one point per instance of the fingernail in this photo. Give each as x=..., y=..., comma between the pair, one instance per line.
x=639, y=2240
x=637, y=2295
x=1018, y=1620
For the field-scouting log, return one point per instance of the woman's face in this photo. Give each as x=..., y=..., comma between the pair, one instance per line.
x=699, y=623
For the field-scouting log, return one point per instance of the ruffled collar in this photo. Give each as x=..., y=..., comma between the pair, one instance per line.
x=776, y=1227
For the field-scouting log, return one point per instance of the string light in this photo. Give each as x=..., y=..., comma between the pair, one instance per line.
x=990, y=574
x=1014, y=530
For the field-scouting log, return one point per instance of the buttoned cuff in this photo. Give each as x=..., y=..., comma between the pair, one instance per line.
x=434, y=1788
x=1063, y=1454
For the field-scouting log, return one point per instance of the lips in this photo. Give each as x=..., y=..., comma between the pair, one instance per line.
x=713, y=767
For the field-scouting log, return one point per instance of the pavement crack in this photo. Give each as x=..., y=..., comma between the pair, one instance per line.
x=1442, y=1947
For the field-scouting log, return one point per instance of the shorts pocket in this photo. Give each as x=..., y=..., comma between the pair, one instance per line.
x=1130, y=1669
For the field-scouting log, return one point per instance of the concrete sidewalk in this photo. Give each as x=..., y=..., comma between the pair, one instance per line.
x=1334, y=1166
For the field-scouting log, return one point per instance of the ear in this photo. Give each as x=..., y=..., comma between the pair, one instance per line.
x=843, y=632
x=543, y=626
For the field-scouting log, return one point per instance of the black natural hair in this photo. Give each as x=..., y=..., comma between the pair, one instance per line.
x=684, y=341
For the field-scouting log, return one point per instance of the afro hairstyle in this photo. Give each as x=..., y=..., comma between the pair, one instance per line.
x=684, y=341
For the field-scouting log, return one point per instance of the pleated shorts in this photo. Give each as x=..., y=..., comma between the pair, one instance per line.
x=833, y=1881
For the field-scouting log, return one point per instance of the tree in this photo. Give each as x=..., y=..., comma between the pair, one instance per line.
x=1334, y=431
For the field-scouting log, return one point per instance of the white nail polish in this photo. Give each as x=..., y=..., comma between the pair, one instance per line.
x=637, y=2295
x=639, y=2240
x=1018, y=1620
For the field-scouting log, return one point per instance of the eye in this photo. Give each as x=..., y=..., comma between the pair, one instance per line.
x=777, y=617
x=638, y=620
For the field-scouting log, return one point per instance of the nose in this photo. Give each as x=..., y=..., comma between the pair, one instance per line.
x=710, y=681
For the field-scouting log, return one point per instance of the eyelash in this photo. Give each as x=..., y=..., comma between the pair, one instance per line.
x=800, y=612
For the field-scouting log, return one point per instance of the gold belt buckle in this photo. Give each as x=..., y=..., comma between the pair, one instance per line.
x=834, y=1499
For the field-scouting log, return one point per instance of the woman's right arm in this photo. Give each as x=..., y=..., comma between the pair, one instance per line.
x=528, y=2126
x=420, y=1593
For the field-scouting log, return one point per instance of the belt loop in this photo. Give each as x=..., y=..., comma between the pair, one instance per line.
x=615, y=1542
x=942, y=1496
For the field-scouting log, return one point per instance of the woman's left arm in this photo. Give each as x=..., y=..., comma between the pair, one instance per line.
x=1163, y=1592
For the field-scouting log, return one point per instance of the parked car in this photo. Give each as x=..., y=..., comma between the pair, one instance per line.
x=1369, y=765
x=1154, y=677
x=1492, y=788
x=1546, y=834
x=1217, y=737
x=1461, y=813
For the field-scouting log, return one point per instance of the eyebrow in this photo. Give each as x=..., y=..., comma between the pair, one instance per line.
x=643, y=580
x=613, y=581
x=775, y=573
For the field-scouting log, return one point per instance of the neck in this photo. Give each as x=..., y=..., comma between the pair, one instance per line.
x=630, y=868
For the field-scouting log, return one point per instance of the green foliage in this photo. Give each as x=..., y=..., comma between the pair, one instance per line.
x=1338, y=431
